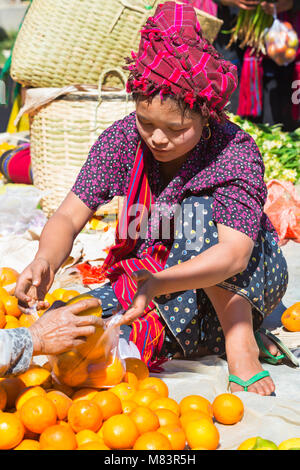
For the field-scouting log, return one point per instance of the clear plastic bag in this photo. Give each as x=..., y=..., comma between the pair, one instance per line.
x=281, y=42
x=97, y=363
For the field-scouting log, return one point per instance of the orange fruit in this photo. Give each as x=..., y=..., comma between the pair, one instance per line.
x=167, y=417
x=95, y=445
x=129, y=378
x=291, y=317
x=3, y=398
x=128, y=406
x=13, y=387
x=154, y=383
x=61, y=401
x=28, y=444
x=38, y=413
x=97, y=311
x=175, y=434
x=26, y=320
x=290, y=53
x=120, y=432
x=106, y=374
x=58, y=438
x=27, y=434
x=202, y=433
x=11, y=306
x=58, y=293
x=145, y=419
x=84, y=394
x=69, y=295
x=196, y=402
x=86, y=435
x=71, y=369
x=11, y=322
x=137, y=367
x=193, y=415
x=228, y=408
x=108, y=402
x=8, y=276
x=152, y=440
x=36, y=375
x=27, y=393
x=3, y=294
x=62, y=388
x=123, y=390
x=2, y=317
x=11, y=430
x=248, y=444
x=85, y=414
x=165, y=403
x=145, y=397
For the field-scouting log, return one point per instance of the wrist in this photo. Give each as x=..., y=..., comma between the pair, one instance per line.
x=36, y=341
x=43, y=258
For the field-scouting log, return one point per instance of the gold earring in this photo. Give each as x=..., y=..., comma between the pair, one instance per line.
x=209, y=132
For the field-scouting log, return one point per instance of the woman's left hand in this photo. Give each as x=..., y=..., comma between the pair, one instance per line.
x=146, y=291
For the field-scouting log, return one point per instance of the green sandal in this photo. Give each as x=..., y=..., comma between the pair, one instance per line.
x=246, y=383
x=286, y=353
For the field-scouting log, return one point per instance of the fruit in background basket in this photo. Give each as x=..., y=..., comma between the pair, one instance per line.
x=11, y=430
x=290, y=444
x=8, y=276
x=291, y=317
x=228, y=408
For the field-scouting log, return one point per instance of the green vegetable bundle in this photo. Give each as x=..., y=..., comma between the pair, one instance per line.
x=280, y=150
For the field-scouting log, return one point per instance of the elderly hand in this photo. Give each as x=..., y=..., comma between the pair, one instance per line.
x=146, y=291
x=62, y=329
x=281, y=6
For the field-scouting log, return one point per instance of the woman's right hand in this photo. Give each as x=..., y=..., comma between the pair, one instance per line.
x=34, y=283
x=243, y=4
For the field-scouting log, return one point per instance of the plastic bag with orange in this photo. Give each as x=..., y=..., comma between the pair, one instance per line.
x=281, y=42
x=96, y=363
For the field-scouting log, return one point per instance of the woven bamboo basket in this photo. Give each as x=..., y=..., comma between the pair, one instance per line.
x=62, y=133
x=72, y=41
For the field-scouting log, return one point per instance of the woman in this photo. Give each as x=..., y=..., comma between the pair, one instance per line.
x=56, y=331
x=204, y=286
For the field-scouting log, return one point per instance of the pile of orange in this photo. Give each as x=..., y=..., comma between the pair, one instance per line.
x=137, y=413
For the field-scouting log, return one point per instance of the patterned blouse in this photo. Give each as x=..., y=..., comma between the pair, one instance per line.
x=16, y=349
x=228, y=166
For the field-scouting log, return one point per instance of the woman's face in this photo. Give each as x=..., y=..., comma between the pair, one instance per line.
x=168, y=134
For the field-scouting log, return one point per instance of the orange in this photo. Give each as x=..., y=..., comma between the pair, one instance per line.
x=120, y=432
x=11, y=430
x=61, y=401
x=11, y=306
x=167, y=417
x=3, y=398
x=165, y=403
x=175, y=434
x=145, y=397
x=193, y=415
x=2, y=317
x=123, y=390
x=152, y=440
x=95, y=445
x=36, y=375
x=108, y=402
x=27, y=434
x=27, y=393
x=69, y=295
x=58, y=438
x=129, y=378
x=85, y=414
x=90, y=311
x=84, y=394
x=28, y=444
x=291, y=317
x=8, y=276
x=202, y=433
x=106, y=374
x=86, y=435
x=11, y=322
x=137, y=367
x=290, y=53
x=196, y=402
x=58, y=293
x=71, y=369
x=154, y=383
x=62, y=388
x=3, y=294
x=145, y=419
x=228, y=408
x=13, y=387
x=248, y=444
x=38, y=413
x=128, y=406
x=26, y=320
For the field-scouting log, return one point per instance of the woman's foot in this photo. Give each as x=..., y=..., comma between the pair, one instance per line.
x=270, y=346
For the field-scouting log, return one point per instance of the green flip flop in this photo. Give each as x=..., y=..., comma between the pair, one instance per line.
x=246, y=383
x=286, y=353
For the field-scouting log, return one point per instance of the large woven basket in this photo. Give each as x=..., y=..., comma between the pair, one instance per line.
x=62, y=133
x=63, y=42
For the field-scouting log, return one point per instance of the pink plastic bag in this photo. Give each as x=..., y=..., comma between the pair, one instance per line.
x=283, y=209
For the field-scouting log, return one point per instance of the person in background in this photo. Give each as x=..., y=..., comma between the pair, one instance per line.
x=56, y=331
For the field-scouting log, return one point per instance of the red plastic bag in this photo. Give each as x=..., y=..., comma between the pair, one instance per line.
x=283, y=209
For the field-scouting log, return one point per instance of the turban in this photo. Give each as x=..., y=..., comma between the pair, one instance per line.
x=175, y=59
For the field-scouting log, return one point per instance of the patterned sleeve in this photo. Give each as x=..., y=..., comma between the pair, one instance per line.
x=107, y=168
x=16, y=348
x=239, y=203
